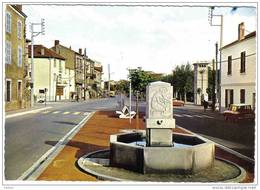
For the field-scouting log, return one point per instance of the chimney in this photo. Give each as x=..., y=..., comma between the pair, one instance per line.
x=80, y=51
x=241, y=31
x=56, y=42
x=19, y=7
x=42, y=51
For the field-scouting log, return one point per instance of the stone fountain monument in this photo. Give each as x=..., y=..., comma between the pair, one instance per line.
x=156, y=150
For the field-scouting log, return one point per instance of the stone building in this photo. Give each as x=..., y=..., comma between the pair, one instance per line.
x=15, y=57
x=200, y=81
x=98, y=71
x=238, y=70
x=79, y=74
x=69, y=55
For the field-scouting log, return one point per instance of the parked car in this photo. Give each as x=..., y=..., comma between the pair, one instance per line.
x=176, y=102
x=239, y=112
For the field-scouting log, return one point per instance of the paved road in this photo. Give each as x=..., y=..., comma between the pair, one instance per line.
x=30, y=136
x=237, y=136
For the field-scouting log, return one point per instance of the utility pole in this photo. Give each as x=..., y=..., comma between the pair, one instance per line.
x=218, y=78
x=34, y=34
x=84, y=65
x=213, y=86
x=108, y=80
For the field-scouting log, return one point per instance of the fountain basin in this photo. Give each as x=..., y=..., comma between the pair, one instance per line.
x=195, y=155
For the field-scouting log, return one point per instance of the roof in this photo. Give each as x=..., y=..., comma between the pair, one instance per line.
x=100, y=69
x=250, y=35
x=46, y=54
x=18, y=10
x=64, y=47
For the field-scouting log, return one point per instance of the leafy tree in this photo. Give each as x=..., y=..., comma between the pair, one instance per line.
x=183, y=77
x=122, y=86
x=139, y=80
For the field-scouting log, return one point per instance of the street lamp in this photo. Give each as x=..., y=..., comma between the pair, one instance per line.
x=34, y=34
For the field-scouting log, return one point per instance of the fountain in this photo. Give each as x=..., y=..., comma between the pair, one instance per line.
x=157, y=152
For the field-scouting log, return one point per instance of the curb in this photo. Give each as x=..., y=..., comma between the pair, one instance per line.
x=239, y=155
x=26, y=112
x=41, y=164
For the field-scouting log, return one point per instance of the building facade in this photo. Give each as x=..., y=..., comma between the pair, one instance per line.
x=15, y=57
x=69, y=55
x=50, y=80
x=98, y=71
x=79, y=74
x=238, y=70
x=201, y=70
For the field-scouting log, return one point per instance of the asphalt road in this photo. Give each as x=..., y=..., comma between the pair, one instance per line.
x=236, y=136
x=30, y=136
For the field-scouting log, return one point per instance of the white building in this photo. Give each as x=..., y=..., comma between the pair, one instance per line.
x=238, y=70
x=200, y=81
x=50, y=75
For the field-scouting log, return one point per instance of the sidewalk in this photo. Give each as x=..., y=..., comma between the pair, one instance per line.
x=94, y=135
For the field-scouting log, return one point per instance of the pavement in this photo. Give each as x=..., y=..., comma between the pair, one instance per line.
x=94, y=135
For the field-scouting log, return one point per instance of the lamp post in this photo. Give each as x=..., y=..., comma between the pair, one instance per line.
x=218, y=78
x=34, y=34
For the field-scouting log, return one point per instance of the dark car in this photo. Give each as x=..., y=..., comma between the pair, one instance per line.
x=239, y=112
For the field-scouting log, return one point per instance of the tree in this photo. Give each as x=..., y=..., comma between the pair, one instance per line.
x=122, y=86
x=139, y=80
x=182, y=80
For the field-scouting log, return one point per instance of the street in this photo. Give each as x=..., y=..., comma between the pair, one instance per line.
x=29, y=137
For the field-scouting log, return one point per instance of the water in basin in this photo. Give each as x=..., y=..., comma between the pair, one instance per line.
x=175, y=145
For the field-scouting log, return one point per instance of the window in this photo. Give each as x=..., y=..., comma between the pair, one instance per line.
x=54, y=62
x=242, y=96
x=19, y=90
x=8, y=52
x=19, y=29
x=19, y=56
x=8, y=22
x=243, y=62
x=229, y=65
x=8, y=90
x=60, y=68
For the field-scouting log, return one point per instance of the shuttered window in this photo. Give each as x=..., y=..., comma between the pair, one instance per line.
x=229, y=65
x=19, y=56
x=243, y=62
x=8, y=52
x=242, y=96
x=8, y=22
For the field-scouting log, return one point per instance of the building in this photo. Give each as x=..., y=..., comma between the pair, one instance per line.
x=69, y=55
x=50, y=80
x=15, y=57
x=200, y=81
x=79, y=74
x=98, y=71
x=238, y=70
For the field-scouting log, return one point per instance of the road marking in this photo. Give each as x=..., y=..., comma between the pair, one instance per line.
x=197, y=116
x=86, y=113
x=187, y=115
x=76, y=113
x=45, y=112
x=26, y=112
x=65, y=113
x=207, y=116
x=177, y=115
x=55, y=112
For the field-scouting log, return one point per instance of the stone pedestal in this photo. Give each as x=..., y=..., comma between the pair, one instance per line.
x=159, y=113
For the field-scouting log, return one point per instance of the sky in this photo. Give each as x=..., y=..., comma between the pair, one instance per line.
x=154, y=38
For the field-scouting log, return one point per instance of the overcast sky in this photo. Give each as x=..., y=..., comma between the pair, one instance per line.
x=154, y=38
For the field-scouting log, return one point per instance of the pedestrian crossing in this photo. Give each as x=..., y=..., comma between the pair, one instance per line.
x=192, y=116
x=57, y=112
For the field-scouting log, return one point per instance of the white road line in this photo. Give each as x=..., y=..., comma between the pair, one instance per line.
x=177, y=115
x=76, y=113
x=26, y=112
x=86, y=113
x=207, y=116
x=186, y=115
x=66, y=112
x=197, y=116
x=55, y=112
x=45, y=112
